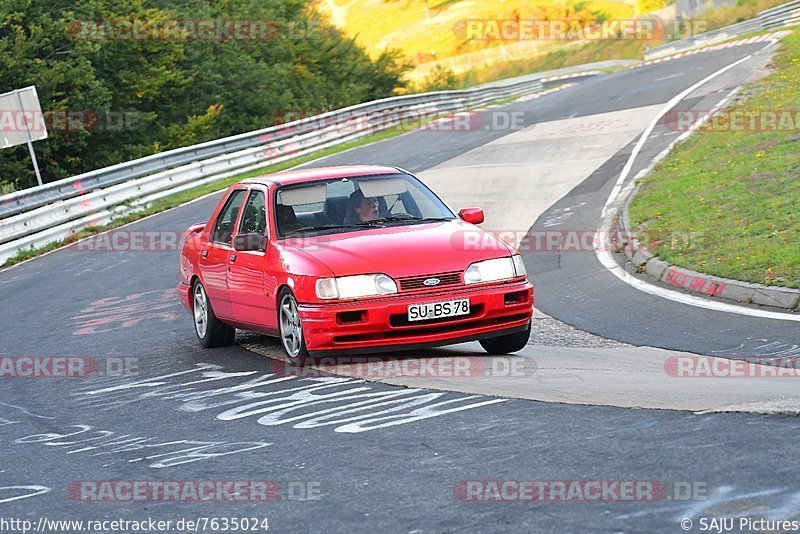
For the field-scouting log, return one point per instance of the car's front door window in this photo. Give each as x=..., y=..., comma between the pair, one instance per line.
x=254, y=218
x=223, y=229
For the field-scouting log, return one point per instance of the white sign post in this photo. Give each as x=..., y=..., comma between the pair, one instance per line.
x=21, y=121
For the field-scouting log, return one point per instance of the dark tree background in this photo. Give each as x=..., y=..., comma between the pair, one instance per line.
x=153, y=94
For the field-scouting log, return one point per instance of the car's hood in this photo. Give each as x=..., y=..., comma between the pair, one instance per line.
x=400, y=251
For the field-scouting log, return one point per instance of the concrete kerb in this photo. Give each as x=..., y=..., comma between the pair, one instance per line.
x=642, y=261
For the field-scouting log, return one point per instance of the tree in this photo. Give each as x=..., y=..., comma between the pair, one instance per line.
x=172, y=85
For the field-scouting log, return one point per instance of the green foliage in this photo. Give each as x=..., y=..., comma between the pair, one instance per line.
x=153, y=94
x=440, y=79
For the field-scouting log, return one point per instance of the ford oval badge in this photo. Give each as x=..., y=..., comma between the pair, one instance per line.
x=431, y=282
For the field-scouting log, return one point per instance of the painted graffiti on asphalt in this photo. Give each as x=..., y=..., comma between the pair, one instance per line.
x=113, y=313
x=761, y=347
x=347, y=404
x=158, y=453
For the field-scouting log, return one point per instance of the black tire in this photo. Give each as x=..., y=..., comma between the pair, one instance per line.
x=508, y=343
x=290, y=329
x=210, y=331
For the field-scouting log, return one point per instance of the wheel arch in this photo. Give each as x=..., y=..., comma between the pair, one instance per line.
x=195, y=278
x=278, y=294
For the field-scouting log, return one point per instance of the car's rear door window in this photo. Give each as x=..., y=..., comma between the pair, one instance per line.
x=223, y=228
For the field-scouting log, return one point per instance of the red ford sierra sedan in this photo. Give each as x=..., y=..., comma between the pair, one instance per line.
x=351, y=260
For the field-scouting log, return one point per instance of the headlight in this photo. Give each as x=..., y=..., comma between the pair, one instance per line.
x=494, y=270
x=351, y=287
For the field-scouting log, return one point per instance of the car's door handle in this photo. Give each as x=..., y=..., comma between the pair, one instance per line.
x=204, y=254
x=232, y=257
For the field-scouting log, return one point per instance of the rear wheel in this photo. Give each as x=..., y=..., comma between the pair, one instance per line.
x=210, y=331
x=292, y=339
x=508, y=343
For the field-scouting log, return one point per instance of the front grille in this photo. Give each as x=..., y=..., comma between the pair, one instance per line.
x=414, y=283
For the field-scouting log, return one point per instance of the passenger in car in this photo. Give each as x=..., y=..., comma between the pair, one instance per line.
x=287, y=220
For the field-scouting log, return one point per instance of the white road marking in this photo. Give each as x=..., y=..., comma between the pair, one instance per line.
x=37, y=490
x=534, y=167
x=609, y=263
x=669, y=105
x=612, y=206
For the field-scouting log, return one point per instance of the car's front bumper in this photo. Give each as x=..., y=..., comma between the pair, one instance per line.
x=381, y=324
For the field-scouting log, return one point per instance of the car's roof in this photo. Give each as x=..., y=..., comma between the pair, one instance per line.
x=321, y=173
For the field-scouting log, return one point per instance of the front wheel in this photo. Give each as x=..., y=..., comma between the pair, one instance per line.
x=292, y=339
x=508, y=343
x=210, y=331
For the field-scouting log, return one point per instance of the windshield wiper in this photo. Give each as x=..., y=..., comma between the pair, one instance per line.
x=433, y=219
x=321, y=227
x=365, y=224
x=398, y=218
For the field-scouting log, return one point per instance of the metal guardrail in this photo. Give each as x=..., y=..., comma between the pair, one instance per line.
x=777, y=17
x=40, y=215
x=38, y=196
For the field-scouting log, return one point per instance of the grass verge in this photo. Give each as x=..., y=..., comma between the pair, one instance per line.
x=565, y=56
x=727, y=201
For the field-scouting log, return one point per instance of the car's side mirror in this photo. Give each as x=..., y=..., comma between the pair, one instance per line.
x=472, y=215
x=250, y=242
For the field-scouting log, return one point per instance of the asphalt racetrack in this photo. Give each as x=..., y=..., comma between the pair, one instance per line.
x=591, y=400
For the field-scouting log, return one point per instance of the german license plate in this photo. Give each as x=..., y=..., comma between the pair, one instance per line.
x=437, y=310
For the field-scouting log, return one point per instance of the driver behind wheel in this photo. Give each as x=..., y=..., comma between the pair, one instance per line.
x=361, y=208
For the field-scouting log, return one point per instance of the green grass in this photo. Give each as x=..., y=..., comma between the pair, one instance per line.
x=424, y=31
x=727, y=201
x=427, y=37
x=738, y=12
x=563, y=57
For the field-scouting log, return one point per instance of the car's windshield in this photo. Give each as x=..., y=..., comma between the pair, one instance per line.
x=356, y=203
